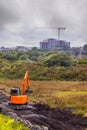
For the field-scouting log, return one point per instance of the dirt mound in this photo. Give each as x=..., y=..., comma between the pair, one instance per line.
x=54, y=118
x=57, y=119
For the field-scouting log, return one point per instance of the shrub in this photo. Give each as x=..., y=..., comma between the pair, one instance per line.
x=60, y=60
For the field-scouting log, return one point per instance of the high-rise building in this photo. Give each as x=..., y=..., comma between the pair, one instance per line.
x=53, y=44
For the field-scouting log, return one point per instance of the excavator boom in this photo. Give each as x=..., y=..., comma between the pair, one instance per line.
x=25, y=83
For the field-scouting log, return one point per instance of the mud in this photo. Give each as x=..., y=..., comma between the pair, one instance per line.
x=54, y=119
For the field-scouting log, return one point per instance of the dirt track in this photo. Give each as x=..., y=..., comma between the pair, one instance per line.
x=54, y=119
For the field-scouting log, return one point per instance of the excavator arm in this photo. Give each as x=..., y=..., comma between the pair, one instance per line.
x=25, y=83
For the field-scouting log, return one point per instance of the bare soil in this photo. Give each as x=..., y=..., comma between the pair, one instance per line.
x=53, y=118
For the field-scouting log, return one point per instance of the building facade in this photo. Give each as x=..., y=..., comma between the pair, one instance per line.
x=53, y=44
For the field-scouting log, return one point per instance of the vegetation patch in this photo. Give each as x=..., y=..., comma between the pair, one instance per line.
x=6, y=123
x=42, y=65
x=70, y=93
x=75, y=100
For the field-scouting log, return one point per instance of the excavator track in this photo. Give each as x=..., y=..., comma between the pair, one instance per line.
x=21, y=107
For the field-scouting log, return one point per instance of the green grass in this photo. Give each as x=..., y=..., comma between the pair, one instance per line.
x=6, y=123
x=73, y=99
x=68, y=93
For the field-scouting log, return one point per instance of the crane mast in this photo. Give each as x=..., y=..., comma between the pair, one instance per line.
x=57, y=28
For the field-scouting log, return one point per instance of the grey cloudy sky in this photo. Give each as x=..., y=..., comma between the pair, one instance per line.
x=19, y=20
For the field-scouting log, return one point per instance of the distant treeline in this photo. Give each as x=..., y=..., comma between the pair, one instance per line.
x=42, y=65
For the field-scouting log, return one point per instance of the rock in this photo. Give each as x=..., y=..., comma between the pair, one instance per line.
x=4, y=110
x=0, y=108
x=36, y=127
x=27, y=123
x=45, y=128
x=14, y=116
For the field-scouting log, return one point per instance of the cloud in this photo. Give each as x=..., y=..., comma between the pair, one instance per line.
x=19, y=19
x=9, y=12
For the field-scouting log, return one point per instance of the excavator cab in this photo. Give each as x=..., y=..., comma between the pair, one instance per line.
x=15, y=91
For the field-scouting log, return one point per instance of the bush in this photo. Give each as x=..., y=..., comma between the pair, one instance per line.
x=60, y=60
x=43, y=66
x=82, y=61
x=6, y=123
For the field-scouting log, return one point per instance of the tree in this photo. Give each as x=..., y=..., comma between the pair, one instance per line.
x=34, y=56
x=34, y=48
x=85, y=48
x=60, y=60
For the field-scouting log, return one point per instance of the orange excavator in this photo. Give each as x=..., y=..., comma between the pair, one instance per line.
x=19, y=98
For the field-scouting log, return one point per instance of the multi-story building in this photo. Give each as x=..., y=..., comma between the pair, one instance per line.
x=53, y=44
x=79, y=52
x=22, y=48
x=76, y=51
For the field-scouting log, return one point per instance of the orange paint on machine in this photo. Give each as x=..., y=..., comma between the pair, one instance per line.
x=19, y=97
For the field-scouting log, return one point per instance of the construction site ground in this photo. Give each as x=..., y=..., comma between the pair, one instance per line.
x=53, y=118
